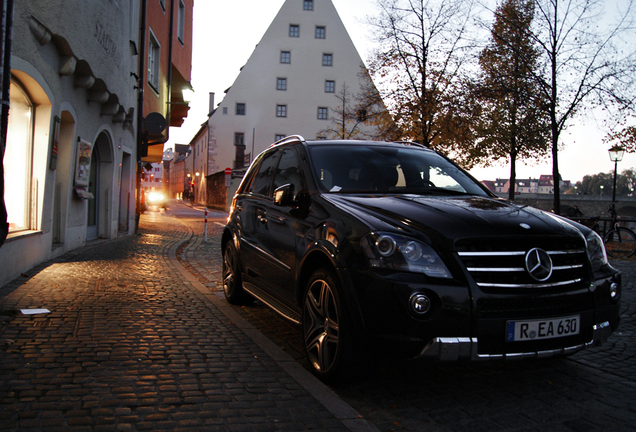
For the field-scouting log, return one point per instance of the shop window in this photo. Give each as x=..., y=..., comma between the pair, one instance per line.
x=17, y=159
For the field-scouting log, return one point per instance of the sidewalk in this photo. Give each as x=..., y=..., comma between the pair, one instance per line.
x=134, y=341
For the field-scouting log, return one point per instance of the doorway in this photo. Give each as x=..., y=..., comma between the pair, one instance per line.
x=92, y=221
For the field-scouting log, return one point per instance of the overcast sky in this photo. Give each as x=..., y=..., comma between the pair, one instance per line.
x=226, y=33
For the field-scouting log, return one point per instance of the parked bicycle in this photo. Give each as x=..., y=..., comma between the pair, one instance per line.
x=620, y=242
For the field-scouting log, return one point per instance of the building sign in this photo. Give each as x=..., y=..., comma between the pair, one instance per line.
x=83, y=162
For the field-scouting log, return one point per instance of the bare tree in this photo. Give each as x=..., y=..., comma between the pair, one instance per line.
x=422, y=53
x=512, y=120
x=585, y=65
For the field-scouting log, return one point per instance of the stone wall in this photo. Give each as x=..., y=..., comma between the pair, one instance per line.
x=589, y=205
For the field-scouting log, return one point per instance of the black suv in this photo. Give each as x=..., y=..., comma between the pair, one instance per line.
x=359, y=241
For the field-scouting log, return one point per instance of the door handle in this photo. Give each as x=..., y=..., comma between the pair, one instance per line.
x=261, y=216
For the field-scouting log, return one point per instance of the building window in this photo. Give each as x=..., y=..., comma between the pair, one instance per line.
x=17, y=159
x=327, y=59
x=279, y=137
x=154, y=58
x=240, y=109
x=323, y=113
x=330, y=86
x=281, y=110
x=321, y=32
x=224, y=110
x=181, y=22
x=285, y=57
x=308, y=5
x=281, y=83
x=294, y=30
x=239, y=138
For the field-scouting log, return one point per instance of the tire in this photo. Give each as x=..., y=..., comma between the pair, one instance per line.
x=232, y=282
x=620, y=242
x=326, y=327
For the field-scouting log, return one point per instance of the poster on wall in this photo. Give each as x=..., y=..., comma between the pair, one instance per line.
x=83, y=162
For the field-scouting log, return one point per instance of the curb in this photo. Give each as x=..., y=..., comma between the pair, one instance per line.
x=323, y=394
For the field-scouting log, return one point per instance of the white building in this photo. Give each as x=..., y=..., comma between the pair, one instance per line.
x=289, y=86
x=70, y=154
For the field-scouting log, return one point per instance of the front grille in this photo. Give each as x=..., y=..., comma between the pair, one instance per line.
x=502, y=264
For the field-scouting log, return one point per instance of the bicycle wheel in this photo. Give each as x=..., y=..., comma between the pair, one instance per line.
x=620, y=242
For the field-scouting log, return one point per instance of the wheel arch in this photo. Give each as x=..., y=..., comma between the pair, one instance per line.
x=319, y=259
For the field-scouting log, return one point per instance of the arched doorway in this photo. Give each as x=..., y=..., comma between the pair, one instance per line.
x=100, y=180
x=92, y=220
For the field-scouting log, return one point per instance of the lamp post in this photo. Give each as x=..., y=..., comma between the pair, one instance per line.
x=188, y=185
x=197, y=174
x=616, y=155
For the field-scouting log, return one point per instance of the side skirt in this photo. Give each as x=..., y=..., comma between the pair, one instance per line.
x=278, y=307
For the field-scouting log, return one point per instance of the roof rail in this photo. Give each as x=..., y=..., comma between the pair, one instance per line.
x=411, y=143
x=289, y=138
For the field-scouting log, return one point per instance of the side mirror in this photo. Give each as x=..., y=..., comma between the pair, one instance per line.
x=284, y=195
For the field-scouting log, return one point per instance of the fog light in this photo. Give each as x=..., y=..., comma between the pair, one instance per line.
x=613, y=290
x=420, y=304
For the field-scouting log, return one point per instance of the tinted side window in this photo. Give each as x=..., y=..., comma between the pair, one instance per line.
x=288, y=171
x=261, y=185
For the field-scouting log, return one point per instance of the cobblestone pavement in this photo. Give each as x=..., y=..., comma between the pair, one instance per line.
x=594, y=390
x=134, y=342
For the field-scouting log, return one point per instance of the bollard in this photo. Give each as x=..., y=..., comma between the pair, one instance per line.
x=205, y=226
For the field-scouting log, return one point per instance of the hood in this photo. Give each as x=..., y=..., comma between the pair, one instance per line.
x=452, y=218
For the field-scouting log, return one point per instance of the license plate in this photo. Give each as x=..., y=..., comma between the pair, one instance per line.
x=542, y=329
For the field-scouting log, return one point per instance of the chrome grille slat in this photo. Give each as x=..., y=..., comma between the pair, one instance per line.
x=538, y=285
x=502, y=265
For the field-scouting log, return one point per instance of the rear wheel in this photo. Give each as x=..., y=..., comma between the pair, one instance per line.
x=620, y=242
x=327, y=331
x=232, y=282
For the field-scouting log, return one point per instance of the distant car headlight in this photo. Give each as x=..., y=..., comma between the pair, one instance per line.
x=395, y=252
x=155, y=197
x=596, y=251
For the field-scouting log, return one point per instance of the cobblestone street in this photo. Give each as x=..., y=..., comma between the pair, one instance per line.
x=133, y=343
x=139, y=338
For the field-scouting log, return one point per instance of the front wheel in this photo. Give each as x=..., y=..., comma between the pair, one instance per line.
x=327, y=331
x=620, y=242
x=232, y=282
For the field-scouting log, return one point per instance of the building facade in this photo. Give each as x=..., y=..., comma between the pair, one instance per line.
x=543, y=185
x=290, y=85
x=167, y=73
x=71, y=156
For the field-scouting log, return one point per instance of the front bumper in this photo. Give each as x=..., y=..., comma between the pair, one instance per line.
x=465, y=348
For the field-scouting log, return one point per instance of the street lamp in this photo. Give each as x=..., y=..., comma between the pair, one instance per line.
x=197, y=176
x=616, y=155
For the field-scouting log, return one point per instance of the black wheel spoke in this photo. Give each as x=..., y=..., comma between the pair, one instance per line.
x=320, y=323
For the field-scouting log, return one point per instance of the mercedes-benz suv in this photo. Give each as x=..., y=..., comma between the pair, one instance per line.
x=360, y=241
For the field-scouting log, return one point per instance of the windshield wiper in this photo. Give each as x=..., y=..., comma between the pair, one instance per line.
x=430, y=191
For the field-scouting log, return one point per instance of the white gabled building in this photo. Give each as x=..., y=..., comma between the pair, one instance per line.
x=289, y=86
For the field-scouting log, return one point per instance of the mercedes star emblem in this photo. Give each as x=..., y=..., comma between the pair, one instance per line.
x=539, y=264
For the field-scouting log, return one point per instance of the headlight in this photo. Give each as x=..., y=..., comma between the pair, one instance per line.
x=596, y=251
x=394, y=252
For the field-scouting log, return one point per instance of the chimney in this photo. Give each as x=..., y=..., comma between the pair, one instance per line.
x=211, y=103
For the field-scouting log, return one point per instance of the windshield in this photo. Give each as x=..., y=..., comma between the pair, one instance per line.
x=371, y=169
